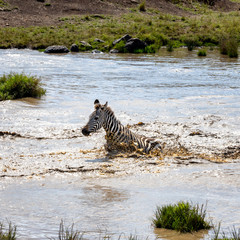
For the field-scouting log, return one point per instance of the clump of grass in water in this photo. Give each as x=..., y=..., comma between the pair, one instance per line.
x=8, y=234
x=229, y=46
x=233, y=233
x=202, y=53
x=68, y=233
x=182, y=217
x=14, y=86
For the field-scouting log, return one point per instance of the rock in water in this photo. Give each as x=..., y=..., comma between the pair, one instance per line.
x=134, y=44
x=74, y=48
x=56, y=49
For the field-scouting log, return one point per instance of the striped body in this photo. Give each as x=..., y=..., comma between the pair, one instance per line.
x=116, y=133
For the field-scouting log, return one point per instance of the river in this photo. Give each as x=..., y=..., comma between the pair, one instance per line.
x=50, y=171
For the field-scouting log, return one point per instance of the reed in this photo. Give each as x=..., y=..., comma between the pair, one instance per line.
x=233, y=233
x=14, y=86
x=182, y=217
x=8, y=233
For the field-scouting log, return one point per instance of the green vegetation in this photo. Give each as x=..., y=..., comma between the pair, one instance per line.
x=9, y=233
x=182, y=217
x=229, y=46
x=142, y=6
x=14, y=85
x=202, y=53
x=233, y=233
x=155, y=28
x=5, y=6
x=68, y=233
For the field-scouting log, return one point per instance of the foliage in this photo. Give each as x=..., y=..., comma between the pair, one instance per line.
x=8, y=234
x=202, y=53
x=120, y=47
x=170, y=46
x=229, y=46
x=142, y=6
x=182, y=217
x=14, y=85
x=233, y=233
x=155, y=28
x=191, y=43
x=68, y=233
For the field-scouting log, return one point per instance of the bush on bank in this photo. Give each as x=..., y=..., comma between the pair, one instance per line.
x=14, y=86
x=153, y=27
x=183, y=217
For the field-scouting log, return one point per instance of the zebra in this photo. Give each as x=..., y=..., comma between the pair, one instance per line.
x=116, y=133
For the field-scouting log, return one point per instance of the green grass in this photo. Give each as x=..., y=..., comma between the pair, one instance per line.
x=8, y=233
x=14, y=86
x=229, y=46
x=142, y=6
x=68, y=233
x=156, y=28
x=202, y=53
x=182, y=217
x=233, y=234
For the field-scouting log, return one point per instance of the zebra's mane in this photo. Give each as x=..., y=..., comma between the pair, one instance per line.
x=111, y=113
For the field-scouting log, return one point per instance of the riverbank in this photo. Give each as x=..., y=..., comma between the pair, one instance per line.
x=194, y=24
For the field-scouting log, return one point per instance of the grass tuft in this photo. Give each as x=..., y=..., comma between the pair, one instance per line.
x=14, y=86
x=182, y=217
x=233, y=233
x=68, y=233
x=142, y=6
x=229, y=46
x=202, y=53
x=8, y=234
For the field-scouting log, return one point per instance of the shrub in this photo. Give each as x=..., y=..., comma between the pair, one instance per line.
x=229, y=46
x=182, y=217
x=14, y=85
x=170, y=46
x=191, y=43
x=121, y=47
x=142, y=6
x=202, y=53
x=8, y=234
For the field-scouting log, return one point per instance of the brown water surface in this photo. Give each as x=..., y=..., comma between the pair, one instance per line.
x=49, y=171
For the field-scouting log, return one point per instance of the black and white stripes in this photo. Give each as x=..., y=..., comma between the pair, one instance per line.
x=104, y=117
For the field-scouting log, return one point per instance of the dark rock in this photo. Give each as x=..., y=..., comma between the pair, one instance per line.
x=134, y=44
x=98, y=40
x=125, y=38
x=56, y=49
x=85, y=46
x=74, y=48
x=96, y=51
x=114, y=51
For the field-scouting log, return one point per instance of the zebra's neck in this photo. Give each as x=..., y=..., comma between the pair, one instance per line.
x=111, y=123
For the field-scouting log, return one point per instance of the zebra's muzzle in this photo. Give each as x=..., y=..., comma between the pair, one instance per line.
x=85, y=132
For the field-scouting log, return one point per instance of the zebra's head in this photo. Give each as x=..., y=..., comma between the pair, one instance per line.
x=96, y=119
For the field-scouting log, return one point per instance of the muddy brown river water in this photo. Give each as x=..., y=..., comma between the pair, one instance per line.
x=49, y=171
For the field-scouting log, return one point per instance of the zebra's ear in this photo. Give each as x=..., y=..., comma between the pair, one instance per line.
x=96, y=101
x=105, y=105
